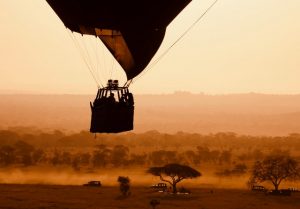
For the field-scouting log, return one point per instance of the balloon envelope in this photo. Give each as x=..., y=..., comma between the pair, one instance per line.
x=132, y=30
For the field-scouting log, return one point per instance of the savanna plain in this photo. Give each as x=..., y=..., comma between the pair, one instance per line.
x=45, y=157
x=48, y=170
x=78, y=197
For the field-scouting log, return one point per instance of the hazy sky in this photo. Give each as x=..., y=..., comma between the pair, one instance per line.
x=240, y=46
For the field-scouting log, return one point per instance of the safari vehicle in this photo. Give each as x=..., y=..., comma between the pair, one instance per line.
x=293, y=189
x=280, y=192
x=160, y=187
x=93, y=184
x=258, y=188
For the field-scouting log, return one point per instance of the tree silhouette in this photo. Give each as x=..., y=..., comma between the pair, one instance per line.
x=56, y=158
x=101, y=156
x=174, y=173
x=162, y=157
x=7, y=155
x=124, y=185
x=37, y=156
x=275, y=169
x=138, y=159
x=154, y=203
x=23, y=152
x=119, y=155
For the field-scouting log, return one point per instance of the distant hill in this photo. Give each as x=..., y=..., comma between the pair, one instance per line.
x=253, y=114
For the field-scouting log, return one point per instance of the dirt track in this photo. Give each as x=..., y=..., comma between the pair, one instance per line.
x=77, y=197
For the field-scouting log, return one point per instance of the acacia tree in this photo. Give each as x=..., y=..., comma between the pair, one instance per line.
x=275, y=169
x=101, y=156
x=174, y=173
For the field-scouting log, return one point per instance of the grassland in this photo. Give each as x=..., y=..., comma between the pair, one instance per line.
x=16, y=196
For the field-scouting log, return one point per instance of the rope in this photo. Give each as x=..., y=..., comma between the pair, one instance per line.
x=127, y=83
x=176, y=41
x=100, y=43
x=77, y=45
x=89, y=58
x=113, y=59
x=98, y=66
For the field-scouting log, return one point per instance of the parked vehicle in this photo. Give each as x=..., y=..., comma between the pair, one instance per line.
x=160, y=187
x=281, y=192
x=258, y=188
x=93, y=184
x=293, y=189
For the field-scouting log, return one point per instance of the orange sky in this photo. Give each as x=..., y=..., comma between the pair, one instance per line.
x=240, y=46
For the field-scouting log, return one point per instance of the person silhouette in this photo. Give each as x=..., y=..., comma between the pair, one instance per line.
x=111, y=98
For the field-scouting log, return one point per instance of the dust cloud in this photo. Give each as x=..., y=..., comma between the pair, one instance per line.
x=108, y=177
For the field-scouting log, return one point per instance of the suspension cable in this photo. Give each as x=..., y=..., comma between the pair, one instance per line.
x=97, y=64
x=113, y=59
x=105, y=66
x=77, y=45
x=151, y=65
x=89, y=58
x=127, y=84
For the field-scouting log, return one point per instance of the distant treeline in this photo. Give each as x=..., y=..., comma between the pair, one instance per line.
x=20, y=147
x=253, y=114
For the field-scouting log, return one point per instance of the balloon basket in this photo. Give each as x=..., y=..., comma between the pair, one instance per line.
x=110, y=113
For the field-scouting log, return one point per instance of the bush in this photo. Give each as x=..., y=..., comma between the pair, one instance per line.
x=124, y=185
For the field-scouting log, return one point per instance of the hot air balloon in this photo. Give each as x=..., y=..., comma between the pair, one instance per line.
x=132, y=30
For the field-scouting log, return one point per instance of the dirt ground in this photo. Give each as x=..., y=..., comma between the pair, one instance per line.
x=80, y=197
